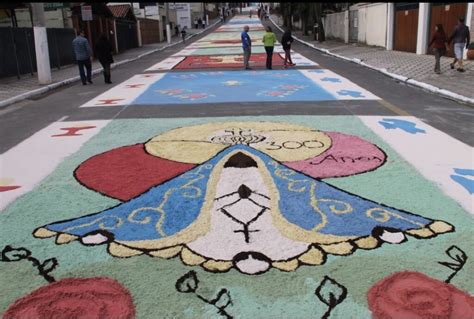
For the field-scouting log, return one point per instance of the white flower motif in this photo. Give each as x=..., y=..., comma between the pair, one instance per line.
x=232, y=83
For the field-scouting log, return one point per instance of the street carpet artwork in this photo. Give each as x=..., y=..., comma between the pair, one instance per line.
x=224, y=50
x=242, y=217
x=231, y=86
x=257, y=60
x=226, y=61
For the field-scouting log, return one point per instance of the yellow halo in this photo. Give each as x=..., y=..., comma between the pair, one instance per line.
x=197, y=144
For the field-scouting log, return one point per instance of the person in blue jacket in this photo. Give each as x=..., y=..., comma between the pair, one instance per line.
x=83, y=53
x=246, y=46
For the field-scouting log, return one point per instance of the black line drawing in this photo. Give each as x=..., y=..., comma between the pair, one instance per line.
x=459, y=257
x=10, y=254
x=331, y=293
x=189, y=283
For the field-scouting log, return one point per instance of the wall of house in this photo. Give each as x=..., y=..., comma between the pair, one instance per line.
x=53, y=18
x=5, y=20
x=471, y=27
x=335, y=25
x=150, y=30
x=183, y=14
x=211, y=9
x=196, y=10
x=373, y=24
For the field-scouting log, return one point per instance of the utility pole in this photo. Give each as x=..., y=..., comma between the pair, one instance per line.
x=41, y=43
x=168, y=28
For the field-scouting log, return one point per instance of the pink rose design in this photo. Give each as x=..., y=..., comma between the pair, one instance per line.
x=74, y=298
x=413, y=295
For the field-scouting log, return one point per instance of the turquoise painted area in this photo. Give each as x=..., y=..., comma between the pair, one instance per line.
x=274, y=294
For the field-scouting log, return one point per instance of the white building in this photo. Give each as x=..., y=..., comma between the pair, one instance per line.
x=403, y=26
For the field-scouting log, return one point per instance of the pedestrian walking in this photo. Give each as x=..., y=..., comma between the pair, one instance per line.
x=196, y=25
x=286, y=41
x=199, y=22
x=183, y=34
x=440, y=45
x=83, y=52
x=269, y=40
x=461, y=39
x=104, y=50
x=246, y=46
x=204, y=23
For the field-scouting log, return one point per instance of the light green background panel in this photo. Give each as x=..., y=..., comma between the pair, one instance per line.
x=274, y=294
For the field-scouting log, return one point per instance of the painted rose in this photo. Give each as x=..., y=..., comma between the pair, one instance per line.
x=75, y=298
x=413, y=295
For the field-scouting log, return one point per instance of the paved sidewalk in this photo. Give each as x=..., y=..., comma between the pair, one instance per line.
x=413, y=66
x=13, y=89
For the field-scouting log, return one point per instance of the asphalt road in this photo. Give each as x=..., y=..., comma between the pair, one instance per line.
x=278, y=197
x=23, y=119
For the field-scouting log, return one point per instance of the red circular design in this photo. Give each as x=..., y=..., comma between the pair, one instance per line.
x=417, y=296
x=74, y=298
x=127, y=171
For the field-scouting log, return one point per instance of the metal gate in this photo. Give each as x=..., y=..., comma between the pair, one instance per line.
x=126, y=35
x=406, y=26
x=353, y=25
x=17, y=50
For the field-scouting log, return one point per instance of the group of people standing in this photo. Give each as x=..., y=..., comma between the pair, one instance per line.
x=83, y=53
x=103, y=47
x=269, y=40
x=198, y=23
x=440, y=42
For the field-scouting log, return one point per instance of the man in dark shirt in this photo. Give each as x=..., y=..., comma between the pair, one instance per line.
x=461, y=39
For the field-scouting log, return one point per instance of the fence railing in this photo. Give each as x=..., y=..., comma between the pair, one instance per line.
x=17, y=50
x=126, y=35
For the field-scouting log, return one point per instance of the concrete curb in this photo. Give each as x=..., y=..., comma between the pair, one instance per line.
x=425, y=86
x=55, y=85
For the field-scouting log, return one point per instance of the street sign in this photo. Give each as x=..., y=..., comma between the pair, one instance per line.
x=86, y=12
x=151, y=10
x=181, y=6
x=49, y=6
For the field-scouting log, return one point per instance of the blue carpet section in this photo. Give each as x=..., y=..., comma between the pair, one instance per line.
x=242, y=86
x=304, y=202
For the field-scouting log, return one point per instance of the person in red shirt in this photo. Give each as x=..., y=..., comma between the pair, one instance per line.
x=440, y=45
